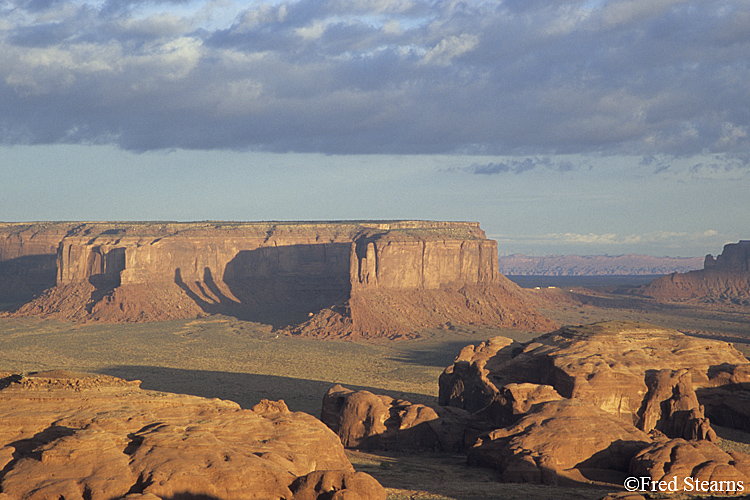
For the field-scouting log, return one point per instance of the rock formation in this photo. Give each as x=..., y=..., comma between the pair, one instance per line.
x=28, y=255
x=696, y=467
x=574, y=405
x=365, y=420
x=724, y=279
x=74, y=437
x=562, y=439
x=326, y=279
x=609, y=364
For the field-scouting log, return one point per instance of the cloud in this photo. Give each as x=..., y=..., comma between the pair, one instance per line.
x=518, y=166
x=523, y=79
x=686, y=243
x=450, y=48
x=663, y=238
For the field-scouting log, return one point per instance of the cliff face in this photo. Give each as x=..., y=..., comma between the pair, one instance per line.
x=28, y=259
x=724, y=279
x=402, y=261
x=278, y=273
x=734, y=258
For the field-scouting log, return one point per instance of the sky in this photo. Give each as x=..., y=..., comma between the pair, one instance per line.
x=563, y=126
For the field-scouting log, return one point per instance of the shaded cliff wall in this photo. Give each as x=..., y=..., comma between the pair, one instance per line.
x=28, y=258
x=735, y=257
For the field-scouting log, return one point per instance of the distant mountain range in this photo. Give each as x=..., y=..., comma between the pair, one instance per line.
x=596, y=265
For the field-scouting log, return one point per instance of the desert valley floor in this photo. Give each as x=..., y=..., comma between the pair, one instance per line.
x=224, y=357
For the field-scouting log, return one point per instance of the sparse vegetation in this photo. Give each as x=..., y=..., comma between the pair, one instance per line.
x=228, y=358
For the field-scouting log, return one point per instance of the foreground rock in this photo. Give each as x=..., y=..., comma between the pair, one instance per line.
x=576, y=405
x=365, y=420
x=696, y=467
x=566, y=439
x=617, y=366
x=325, y=279
x=76, y=437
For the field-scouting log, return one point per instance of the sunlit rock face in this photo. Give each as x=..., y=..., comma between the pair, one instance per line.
x=318, y=278
x=641, y=373
x=75, y=436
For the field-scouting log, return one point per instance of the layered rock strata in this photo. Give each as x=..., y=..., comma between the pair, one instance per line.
x=329, y=279
x=74, y=437
x=28, y=259
x=724, y=279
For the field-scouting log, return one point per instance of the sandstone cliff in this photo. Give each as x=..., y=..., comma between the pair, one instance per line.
x=333, y=278
x=28, y=254
x=724, y=279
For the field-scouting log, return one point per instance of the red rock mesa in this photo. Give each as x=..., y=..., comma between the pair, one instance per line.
x=339, y=279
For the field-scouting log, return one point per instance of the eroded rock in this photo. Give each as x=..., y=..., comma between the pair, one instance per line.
x=671, y=407
x=697, y=467
x=558, y=440
x=724, y=279
x=364, y=420
x=336, y=279
x=606, y=364
x=75, y=437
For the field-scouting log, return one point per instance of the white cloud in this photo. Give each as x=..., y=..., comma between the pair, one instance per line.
x=449, y=48
x=684, y=243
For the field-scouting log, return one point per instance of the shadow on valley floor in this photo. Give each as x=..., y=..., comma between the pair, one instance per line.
x=277, y=285
x=441, y=358
x=246, y=389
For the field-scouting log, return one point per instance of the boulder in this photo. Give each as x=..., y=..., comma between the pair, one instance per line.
x=337, y=485
x=78, y=436
x=466, y=383
x=560, y=440
x=364, y=420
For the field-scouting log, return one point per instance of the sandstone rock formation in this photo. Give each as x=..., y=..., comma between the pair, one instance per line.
x=565, y=439
x=575, y=405
x=611, y=365
x=696, y=467
x=671, y=406
x=364, y=420
x=325, y=279
x=75, y=437
x=724, y=279
x=28, y=255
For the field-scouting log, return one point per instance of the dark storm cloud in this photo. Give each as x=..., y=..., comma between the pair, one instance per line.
x=639, y=77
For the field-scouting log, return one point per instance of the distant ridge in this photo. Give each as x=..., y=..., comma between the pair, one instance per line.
x=595, y=265
x=723, y=279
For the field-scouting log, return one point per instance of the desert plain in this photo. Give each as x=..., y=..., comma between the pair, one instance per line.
x=234, y=357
